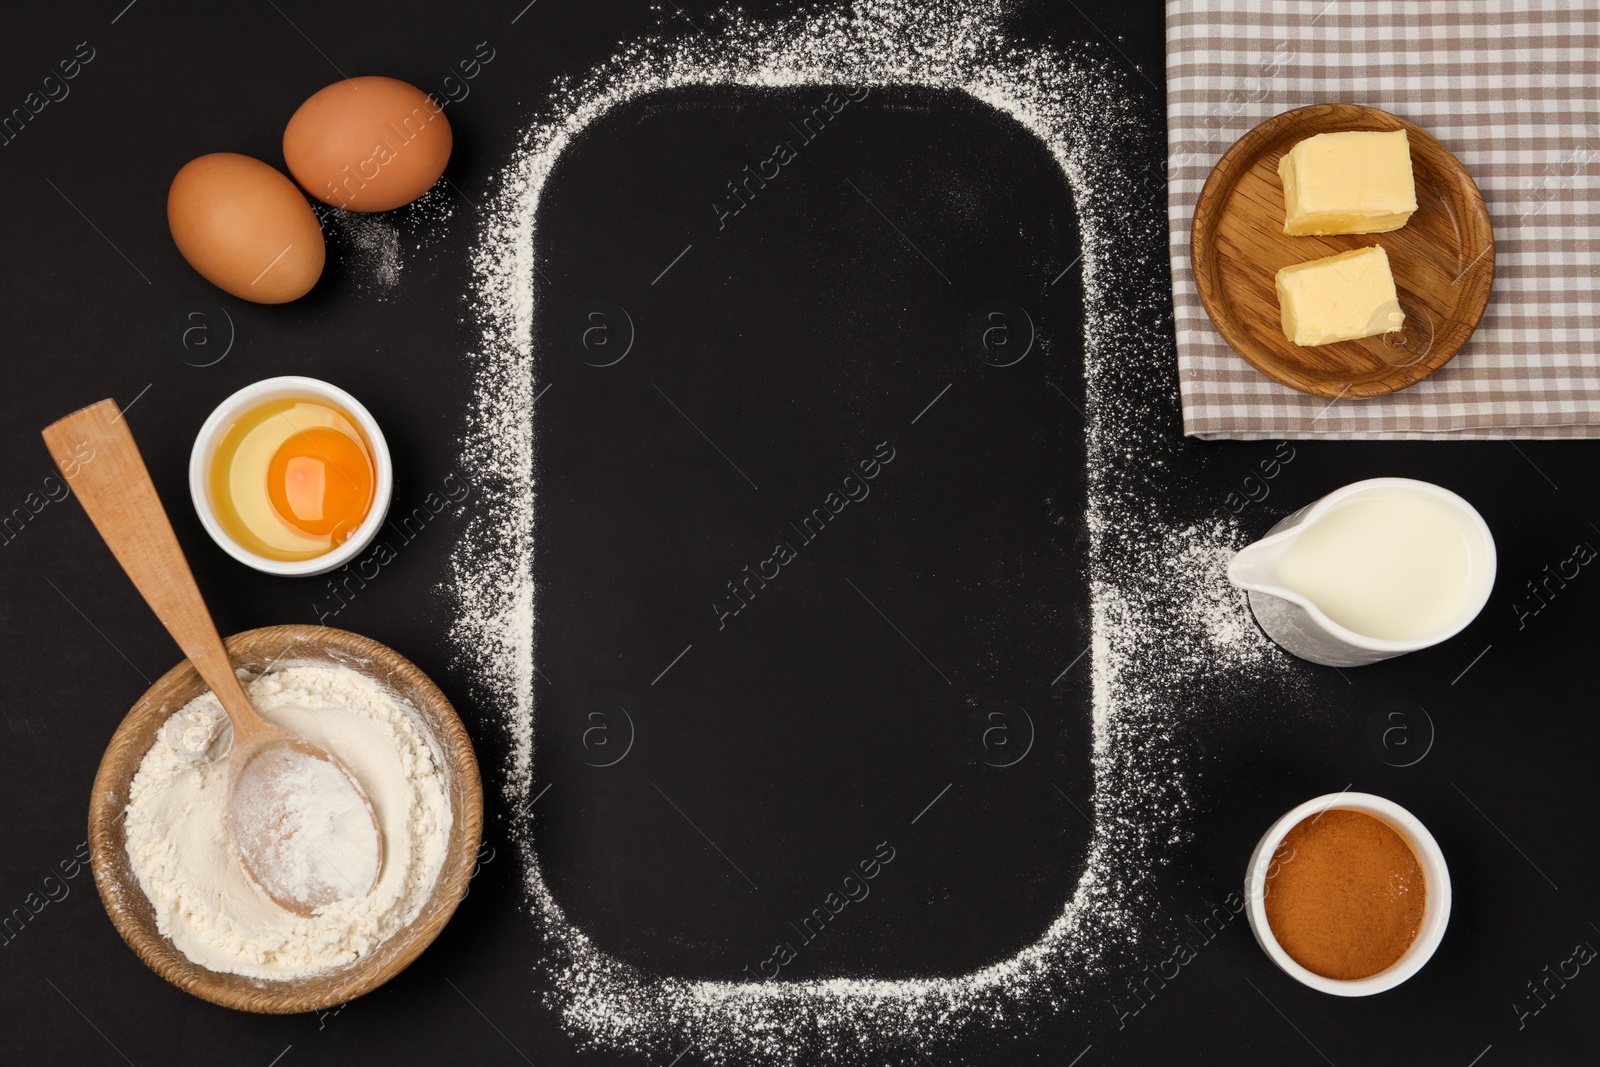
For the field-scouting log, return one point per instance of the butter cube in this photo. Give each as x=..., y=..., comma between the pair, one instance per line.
x=1339, y=298
x=1358, y=181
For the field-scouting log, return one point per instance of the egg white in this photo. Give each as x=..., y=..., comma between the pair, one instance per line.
x=247, y=475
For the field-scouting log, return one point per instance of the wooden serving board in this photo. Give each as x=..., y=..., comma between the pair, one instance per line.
x=1443, y=259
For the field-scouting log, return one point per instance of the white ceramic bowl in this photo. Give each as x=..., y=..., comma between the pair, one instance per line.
x=205, y=444
x=1436, y=876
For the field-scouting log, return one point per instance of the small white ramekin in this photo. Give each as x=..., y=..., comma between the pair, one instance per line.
x=211, y=432
x=1436, y=877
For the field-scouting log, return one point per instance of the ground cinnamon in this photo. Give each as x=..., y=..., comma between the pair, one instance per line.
x=1345, y=894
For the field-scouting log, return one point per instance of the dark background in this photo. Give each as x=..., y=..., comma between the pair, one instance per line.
x=803, y=337
x=96, y=304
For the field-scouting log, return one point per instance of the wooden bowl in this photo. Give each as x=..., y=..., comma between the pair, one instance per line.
x=1442, y=258
x=255, y=650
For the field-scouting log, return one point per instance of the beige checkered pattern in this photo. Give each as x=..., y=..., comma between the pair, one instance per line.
x=1512, y=87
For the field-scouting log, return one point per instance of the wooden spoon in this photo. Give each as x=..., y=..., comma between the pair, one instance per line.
x=293, y=810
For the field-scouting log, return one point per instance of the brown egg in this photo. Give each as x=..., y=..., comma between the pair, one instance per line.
x=245, y=228
x=368, y=144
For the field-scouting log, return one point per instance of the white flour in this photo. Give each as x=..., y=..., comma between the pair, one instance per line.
x=177, y=831
x=198, y=734
x=372, y=248
x=1159, y=617
x=305, y=828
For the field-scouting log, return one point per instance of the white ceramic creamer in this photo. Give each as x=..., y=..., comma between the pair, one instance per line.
x=1370, y=571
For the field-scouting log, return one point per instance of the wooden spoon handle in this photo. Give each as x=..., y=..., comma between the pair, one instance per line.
x=97, y=455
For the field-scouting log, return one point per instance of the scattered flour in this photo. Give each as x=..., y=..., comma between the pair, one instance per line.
x=177, y=831
x=372, y=248
x=1159, y=612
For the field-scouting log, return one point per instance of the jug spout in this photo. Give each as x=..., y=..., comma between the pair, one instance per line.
x=1254, y=567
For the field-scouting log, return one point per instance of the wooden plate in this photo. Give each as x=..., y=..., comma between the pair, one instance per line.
x=1443, y=259
x=255, y=650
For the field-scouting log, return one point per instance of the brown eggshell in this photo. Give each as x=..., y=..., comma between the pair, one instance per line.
x=368, y=144
x=245, y=228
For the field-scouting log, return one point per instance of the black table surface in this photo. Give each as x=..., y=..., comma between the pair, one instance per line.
x=1497, y=720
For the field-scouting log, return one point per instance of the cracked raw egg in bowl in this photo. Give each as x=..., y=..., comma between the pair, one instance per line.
x=291, y=476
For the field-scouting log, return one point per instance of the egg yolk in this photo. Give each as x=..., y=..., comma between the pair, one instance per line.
x=320, y=482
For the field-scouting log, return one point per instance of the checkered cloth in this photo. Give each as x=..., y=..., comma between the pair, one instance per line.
x=1512, y=87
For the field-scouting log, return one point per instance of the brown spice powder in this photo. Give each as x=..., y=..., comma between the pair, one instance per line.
x=1345, y=895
